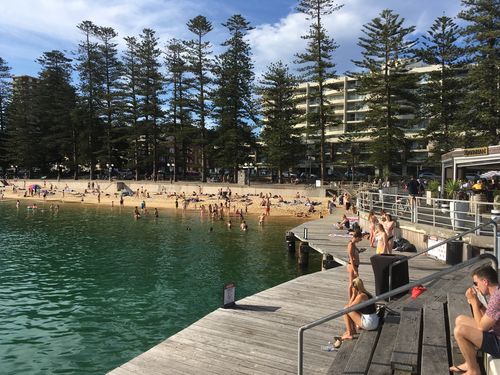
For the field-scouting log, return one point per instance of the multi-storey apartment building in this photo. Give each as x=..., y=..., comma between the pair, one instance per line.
x=349, y=110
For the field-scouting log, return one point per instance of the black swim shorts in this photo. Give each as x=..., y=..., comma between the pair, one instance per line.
x=491, y=344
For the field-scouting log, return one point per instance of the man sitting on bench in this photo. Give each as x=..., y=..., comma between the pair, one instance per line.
x=481, y=332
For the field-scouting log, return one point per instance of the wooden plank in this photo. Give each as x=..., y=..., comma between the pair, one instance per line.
x=381, y=360
x=260, y=336
x=457, y=305
x=361, y=355
x=406, y=347
x=434, y=342
x=340, y=362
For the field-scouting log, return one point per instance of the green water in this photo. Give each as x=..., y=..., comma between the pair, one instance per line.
x=87, y=288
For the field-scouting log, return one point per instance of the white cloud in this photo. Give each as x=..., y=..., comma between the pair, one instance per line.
x=281, y=40
x=30, y=27
x=41, y=25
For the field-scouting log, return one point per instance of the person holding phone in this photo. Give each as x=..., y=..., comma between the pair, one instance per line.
x=482, y=331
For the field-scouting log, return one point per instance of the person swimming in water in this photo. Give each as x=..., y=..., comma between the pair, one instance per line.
x=261, y=219
x=244, y=226
x=137, y=214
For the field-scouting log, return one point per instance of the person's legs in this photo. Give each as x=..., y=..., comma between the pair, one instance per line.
x=351, y=320
x=350, y=272
x=465, y=320
x=469, y=338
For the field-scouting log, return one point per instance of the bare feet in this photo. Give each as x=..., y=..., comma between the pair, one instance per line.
x=459, y=369
x=346, y=336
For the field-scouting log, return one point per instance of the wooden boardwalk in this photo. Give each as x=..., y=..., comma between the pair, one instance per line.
x=260, y=335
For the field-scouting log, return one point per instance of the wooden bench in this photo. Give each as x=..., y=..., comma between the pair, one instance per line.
x=415, y=336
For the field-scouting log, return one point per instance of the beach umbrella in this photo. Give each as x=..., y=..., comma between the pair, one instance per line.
x=490, y=174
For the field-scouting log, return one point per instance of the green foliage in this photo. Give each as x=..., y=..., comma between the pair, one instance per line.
x=451, y=188
x=282, y=144
x=433, y=186
x=91, y=80
x=443, y=91
x=179, y=114
x=234, y=109
x=117, y=112
x=150, y=90
x=24, y=133
x=317, y=66
x=111, y=93
x=55, y=102
x=390, y=91
x=481, y=114
x=131, y=108
x=200, y=64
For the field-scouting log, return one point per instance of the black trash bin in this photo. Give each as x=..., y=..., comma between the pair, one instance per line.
x=454, y=252
x=380, y=264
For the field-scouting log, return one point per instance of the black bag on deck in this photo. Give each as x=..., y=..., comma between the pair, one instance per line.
x=403, y=244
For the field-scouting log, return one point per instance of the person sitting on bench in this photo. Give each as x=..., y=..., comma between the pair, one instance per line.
x=365, y=318
x=344, y=224
x=481, y=332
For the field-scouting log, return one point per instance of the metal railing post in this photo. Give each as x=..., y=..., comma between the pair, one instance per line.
x=383, y=296
x=495, y=237
x=300, y=358
x=433, y=214
x=390, y=278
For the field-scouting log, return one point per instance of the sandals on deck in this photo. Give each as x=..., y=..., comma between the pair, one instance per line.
x=338, y=342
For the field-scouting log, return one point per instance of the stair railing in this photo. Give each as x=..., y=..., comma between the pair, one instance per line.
x=458, y=236
x=383, y=296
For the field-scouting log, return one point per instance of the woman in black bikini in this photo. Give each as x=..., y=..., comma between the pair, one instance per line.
x=353, y=255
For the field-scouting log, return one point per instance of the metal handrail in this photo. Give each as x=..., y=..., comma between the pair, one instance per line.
x=493, y=223
x=413, y=212
x=371, y=301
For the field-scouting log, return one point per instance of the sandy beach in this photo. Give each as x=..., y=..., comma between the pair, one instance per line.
x=296, y=204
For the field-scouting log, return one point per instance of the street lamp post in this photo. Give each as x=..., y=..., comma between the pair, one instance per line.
x=15, y=170
x=171, y=167
x=110, y=169
x=248, y=166
x=58, y=166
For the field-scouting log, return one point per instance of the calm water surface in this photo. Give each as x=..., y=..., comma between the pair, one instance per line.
x=87, y=288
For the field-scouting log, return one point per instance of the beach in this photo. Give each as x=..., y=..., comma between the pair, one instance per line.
x=163, y=197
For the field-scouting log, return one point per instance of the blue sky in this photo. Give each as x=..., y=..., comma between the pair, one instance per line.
x=30, y=27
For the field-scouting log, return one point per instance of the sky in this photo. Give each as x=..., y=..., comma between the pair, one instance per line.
x=30, y=27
